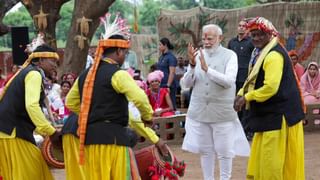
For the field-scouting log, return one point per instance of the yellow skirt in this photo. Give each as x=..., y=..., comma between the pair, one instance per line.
x=20, y=159
x=103, y=162
x=71, y=158
x=278, y=154
x=110, y=162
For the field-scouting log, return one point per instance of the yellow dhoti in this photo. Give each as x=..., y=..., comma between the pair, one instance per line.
x=109, y=162
x=71, y=158
x=20, y=159
x=277, y=154
x=103, y=162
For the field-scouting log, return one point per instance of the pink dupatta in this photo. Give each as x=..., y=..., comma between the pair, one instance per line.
x=309, y=84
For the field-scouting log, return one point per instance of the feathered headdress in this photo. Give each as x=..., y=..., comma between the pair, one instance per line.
x=38, y=41
x=117, y=27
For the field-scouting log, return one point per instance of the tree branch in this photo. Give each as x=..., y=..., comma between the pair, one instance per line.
x=6, y=5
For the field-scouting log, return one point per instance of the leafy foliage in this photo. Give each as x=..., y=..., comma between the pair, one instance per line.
x=218, y=4
x=120, y=6
x=148, y=12
x=21, y=17
x=63, y=24
x=186, y=4
x=14, y=19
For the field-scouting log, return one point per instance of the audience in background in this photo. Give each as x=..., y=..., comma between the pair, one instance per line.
x=180, y=70
x=71, y=77
x=14, y=69
x=60, y=111
x=298, y=68
x=310, y=84
x=2, y=80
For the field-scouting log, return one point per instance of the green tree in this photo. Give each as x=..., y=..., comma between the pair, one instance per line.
x=5, y=6
x=230, y=4
x=123, y=7
x=186, y=4
x=21, y=17
x=79, y=37
x=149, y=12
x=63, y=24
x=47, y=14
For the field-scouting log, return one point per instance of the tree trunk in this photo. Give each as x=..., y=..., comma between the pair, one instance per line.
x=74, y=57
x=50, y=7
x=5, y=6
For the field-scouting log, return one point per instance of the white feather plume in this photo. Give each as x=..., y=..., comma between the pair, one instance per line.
x=118, y=26
x=38, y=41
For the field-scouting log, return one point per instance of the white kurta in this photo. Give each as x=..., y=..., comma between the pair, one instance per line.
x=211, y=106
x=213, y=91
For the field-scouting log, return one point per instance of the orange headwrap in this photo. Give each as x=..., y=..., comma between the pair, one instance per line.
x=262, y=24
x=88, y=88
x=293, y=53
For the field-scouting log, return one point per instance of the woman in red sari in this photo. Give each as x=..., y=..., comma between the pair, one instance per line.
x=159, y=98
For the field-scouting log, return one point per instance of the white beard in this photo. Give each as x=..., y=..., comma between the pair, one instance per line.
x=210, y=51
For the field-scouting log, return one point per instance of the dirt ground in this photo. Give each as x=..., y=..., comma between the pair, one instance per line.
x=193, y=171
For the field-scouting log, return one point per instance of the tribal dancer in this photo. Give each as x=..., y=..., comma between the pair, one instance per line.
x=272, y=96
x=21, y=115
x=100, y=95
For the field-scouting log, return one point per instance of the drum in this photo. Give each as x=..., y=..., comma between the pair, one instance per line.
x=150, y=156
x=52, y=155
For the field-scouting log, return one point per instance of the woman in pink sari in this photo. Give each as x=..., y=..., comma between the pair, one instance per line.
x=310, y=84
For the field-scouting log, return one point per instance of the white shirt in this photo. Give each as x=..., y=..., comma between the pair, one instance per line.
x=213, y=91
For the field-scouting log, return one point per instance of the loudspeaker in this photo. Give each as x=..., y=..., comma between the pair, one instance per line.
x=19, y=39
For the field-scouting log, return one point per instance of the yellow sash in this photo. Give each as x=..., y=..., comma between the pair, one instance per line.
x=254, y=70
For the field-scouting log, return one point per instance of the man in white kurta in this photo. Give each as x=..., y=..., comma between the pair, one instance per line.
x=211, y=119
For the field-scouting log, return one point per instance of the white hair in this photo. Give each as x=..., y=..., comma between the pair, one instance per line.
x=214, y=27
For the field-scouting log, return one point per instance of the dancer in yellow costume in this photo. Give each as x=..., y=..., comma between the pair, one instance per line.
x=100, y=96
x=271, y=94
x=74, y=171
x=21, y=114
